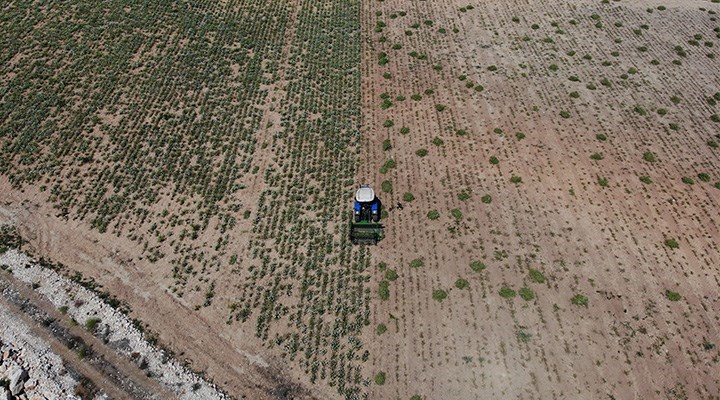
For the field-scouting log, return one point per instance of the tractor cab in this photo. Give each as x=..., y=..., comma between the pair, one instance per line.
x=367, y=206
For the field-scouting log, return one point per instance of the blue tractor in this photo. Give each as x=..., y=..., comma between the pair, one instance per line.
x=365, y=228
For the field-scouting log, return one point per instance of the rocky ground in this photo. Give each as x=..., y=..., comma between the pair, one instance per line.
x=113, y=345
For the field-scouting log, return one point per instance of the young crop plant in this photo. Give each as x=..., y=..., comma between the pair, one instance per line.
x=439, y=295
x=672, y=296
x=386, y=186
x=601, y=137
x=602, y=181
x=433, y=215
x=672, y=244
x=520, y=136
x=437, y=141
x=704, y=177
x=456, y=214
x=421, y=152
x=381, y=328
x=526, y=294
x=494, y=160
x=516, y=179
x=596, y=156
x=536, y=275
x=388, y=123
x=649, y=156
x=486, y=199
x=380, y=378
x=464, y=195
x=408, y=197
x=507, y=293
x=477, y=266
x=646, y=180
x=687, y=180
x=404, y=130
x=580, y=300
x=565, y=114
x=461, y=283
x=417, y=263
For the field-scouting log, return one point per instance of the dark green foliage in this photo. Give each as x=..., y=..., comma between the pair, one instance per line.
x=439, y=295
x=477, y=266
x=526, y=294
x=433, y=214
x=536, y=275
x=408, y=197
x=580, y=300
x=384, y=290
x=672, y=296
x=387, y=186
x=507, y=293
x=486, y=199
x=461, y=283
x=672, y=243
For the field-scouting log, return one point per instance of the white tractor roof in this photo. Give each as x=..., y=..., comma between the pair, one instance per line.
x=365, y=194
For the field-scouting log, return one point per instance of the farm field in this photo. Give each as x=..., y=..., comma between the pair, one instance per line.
x=550, y=172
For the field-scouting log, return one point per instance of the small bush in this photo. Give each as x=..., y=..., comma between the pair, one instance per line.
x=384, y=290
x=675, y=100
x=596, y=156
x=439, y=295
x=520, y=136
x=536, y=275
x=580, y=300
x=408, y=197
x=601, y=137
x=416, y=97
x=456, y=214
x=486, y=199
x=687, y=180
x=704, y=177
x=461, y=132
x=515, y=179
x=464, y=195
x=404, y=130
x=381, y=328
x=646, y=180
x=388, y=123
x=494, y=160
x=574, y=95
x=421, y=152
x=461, y=283
x=507, y=293
x=672, y=243
x=387, y=186
x=672, y=296
x=477, y=266
x=440, y=107
x=391, y=275
x=526, y=294
x=437, y=141
x=417, y=263
x=564, y=114
x=433, y=215
x=92, y=323
x=380, y=378
x=649, y=156
x=640, y=110
x=386, y=145
x=603, y=182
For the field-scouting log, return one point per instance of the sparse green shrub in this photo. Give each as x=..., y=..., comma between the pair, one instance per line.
x=640, y=110
x=440, y=107
x=601, y=137
x=596, y=156
x=386, y=145
x=437, y=141
x=526, y=294
x=387, y=186
x=564, y=114
x=649, y=156
x=536, y=275
x=494, y=160
x=464, y=195
x=603, y=182
x=456, y=214
x=580, y=300
x=687, y=180
x=433, y=215
x=381, y=328
x=384, y=290
x=404, y=130
x=408, y=197
x=388, y=123
x=672, y=243
x=92, y=323
x=439, y=295
x=486, y=199
x=520, y=136
x=417, y=263
x=704, y=177
x=380, y=378
x=515, y=179
x=421, y=152
x=507, y=293
x=461, y=283
x=477, y=266
x=646, y=180
x=672, y=296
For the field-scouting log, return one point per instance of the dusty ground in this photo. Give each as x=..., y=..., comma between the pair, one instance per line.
x=606, y=243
